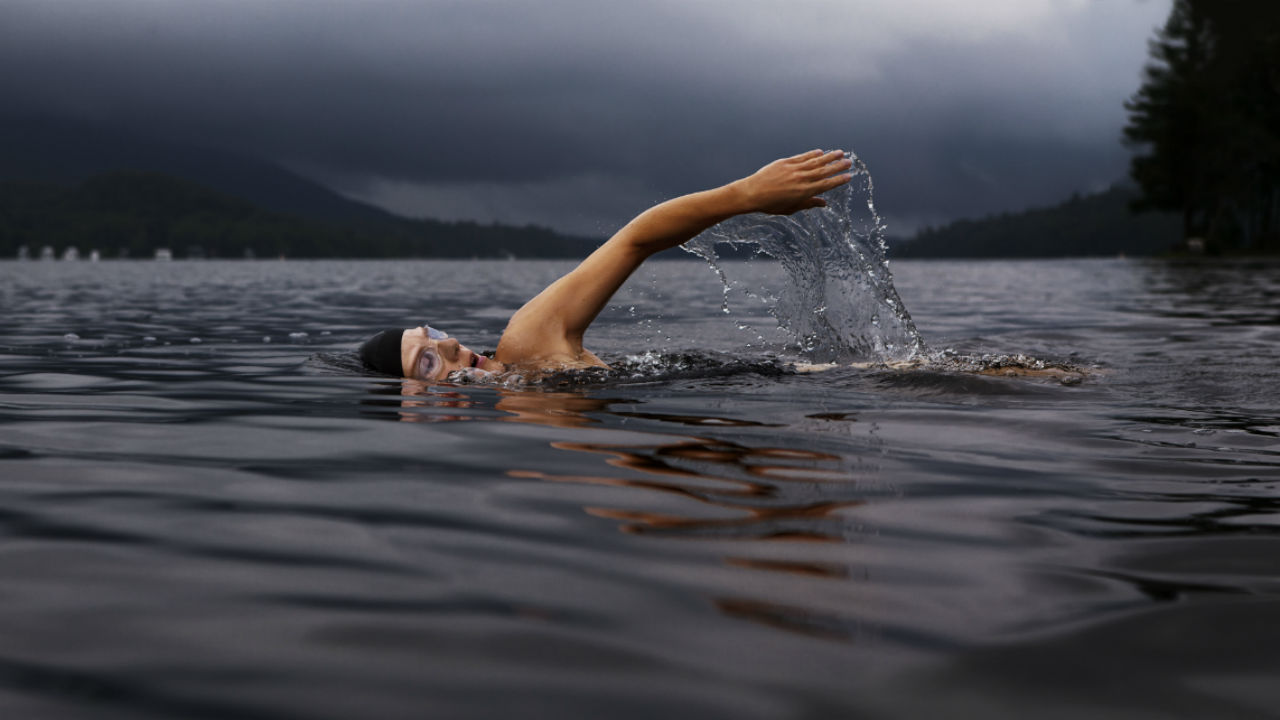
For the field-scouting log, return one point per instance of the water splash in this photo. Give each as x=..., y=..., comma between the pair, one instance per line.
x=837, y=297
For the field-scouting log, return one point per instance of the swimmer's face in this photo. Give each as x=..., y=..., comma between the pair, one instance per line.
x=430, y=355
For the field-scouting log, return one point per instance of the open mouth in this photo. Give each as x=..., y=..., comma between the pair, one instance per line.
x=475, y=360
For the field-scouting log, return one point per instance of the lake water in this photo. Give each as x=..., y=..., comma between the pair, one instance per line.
x=207, y=511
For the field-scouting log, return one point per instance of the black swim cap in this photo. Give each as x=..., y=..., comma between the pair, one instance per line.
x=382, y=352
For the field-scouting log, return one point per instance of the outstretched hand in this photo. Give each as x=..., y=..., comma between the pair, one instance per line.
x=548, y=330
x=793, y=184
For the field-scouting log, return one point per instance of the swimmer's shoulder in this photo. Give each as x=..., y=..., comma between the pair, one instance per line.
x=544, y=364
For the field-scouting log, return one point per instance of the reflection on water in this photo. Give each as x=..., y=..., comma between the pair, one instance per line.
x=746, y=494
x=1232, y=292
x=417, y=396
x=794, y=619
x=242, y=528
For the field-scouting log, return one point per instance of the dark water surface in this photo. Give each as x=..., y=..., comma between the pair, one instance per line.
x=246, y=527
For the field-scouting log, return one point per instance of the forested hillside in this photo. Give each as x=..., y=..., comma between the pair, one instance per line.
x=1090, y=225
x=133, y=213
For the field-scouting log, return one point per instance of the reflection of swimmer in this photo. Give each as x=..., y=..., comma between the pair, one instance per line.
x=547, y=332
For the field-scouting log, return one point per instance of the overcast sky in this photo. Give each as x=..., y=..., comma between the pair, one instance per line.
x=577, y=115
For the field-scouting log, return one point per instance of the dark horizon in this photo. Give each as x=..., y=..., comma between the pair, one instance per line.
x=574, y=116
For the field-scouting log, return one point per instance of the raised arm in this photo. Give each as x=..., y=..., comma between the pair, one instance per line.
x=551, y=325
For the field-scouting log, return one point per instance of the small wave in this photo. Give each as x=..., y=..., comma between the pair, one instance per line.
x=648, y=367
x=661, y=367
x=995, y=365
x=338, y=363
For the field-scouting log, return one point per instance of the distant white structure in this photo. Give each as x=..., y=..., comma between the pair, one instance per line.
x=163, y=254
x=24, y=252
x=46, y=253
x=71, y=253
x=94, y=256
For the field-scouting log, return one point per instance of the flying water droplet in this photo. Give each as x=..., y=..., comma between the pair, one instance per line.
x=836, y=270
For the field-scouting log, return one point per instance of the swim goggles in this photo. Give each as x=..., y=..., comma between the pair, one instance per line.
x=429, y=361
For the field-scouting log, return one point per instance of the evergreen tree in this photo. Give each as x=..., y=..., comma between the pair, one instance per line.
x=1168, y=117
x=1208, y=118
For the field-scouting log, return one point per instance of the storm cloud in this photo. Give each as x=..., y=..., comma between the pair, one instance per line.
x=578, y=114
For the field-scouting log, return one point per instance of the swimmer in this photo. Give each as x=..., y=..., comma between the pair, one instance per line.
x=546, y=333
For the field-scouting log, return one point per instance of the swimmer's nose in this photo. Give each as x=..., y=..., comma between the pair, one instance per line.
x=449, y=349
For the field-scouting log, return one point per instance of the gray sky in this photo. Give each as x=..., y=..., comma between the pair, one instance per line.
x=579, y=114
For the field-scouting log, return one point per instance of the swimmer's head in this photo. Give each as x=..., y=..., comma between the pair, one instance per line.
x=382, y=352
x=422, y=353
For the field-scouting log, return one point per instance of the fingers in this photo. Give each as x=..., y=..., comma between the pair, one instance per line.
x=820, y=187
x=806, y=155
x=834, y=181
x=817, y=159
x=832, y=169
x=819, y=164
x=803, y=178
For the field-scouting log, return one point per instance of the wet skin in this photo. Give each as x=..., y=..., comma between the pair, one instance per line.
x=546, y=332
x=451, y=354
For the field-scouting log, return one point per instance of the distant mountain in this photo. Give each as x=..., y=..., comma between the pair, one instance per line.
x=133, y=213
x=1089, y=225
x=64, y=184
x=64, y=152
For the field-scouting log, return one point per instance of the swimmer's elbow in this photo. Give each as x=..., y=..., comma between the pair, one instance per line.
x=645, y=237
x=631, y=246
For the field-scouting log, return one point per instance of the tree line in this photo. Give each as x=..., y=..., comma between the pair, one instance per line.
x=1206, y=124
x=1094, y=225
x=134, y=213
x=1205, y=130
